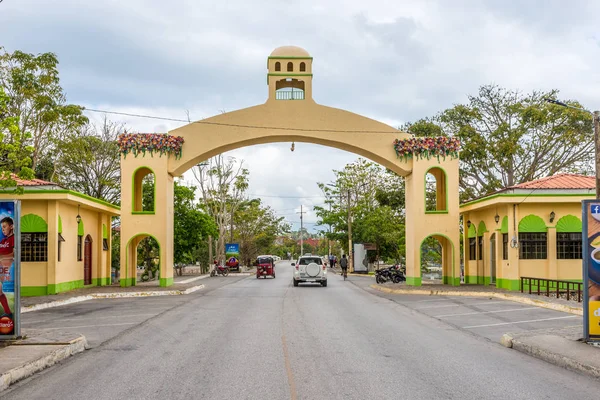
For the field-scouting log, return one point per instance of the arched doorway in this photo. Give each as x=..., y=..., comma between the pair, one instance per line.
x=149, y=256
x=87, y=260
x=437, y=251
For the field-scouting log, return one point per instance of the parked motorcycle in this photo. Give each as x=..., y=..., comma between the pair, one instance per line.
x=219, y=270
x=393, y=273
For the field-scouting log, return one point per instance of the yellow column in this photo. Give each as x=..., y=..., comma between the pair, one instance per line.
x=52, y=245
x=552, y=271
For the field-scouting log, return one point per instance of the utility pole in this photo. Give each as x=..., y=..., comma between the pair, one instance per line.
x=350, y=258
x=301, y=230
x=329, y=238
x=210, y=256
x=596, y=116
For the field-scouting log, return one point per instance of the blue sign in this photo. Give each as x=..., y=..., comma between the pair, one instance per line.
x=232, y=248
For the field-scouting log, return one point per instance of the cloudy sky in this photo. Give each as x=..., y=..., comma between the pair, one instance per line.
x=394, y=61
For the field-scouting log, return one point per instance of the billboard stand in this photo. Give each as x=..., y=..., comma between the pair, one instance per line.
x=591, y=269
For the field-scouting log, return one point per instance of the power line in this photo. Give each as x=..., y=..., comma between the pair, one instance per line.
x=285, y=197
x=202, y=122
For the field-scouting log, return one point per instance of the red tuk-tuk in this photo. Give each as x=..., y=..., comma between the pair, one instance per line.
x=265, y=266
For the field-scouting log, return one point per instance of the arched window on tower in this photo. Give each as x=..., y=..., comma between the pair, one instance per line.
x=144, y=191
x=277, y=66
x=435, y=191
x=290, y=67
x=302, y=67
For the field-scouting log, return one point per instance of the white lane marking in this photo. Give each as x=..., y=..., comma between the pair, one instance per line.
x=193, y=279
x=83, y=319
x=520, y=322
x=82, y=326
x=484, y=312
x=462, y=305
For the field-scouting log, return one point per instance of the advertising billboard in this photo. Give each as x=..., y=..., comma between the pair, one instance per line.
x=232, y=248
x=10, y=269
x=591, y=269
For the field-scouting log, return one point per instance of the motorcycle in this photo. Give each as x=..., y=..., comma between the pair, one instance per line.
x=219, y=270
x=393, y=273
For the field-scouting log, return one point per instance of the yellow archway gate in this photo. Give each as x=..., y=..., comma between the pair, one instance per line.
x=289, y=115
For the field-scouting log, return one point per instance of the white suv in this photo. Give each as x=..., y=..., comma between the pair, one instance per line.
x=310, y=269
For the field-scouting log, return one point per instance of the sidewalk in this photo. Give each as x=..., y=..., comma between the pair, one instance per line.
x=23, y=358
x=563, y=347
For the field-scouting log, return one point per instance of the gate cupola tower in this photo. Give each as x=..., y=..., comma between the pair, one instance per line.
x=290, y=74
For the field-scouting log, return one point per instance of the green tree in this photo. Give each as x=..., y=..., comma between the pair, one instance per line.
x=508, y=138
x=192, y=226
x=89, y=162
x=37, y=101
x=257, y=227
x=15, y=158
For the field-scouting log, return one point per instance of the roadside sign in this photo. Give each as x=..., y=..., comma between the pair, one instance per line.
x=591, y=269
x=232, y=248
x=10, y=269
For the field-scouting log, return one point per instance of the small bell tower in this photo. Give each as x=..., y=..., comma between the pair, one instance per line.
x=289, y=74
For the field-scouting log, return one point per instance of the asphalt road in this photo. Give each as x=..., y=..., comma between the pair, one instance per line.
x=265, y=339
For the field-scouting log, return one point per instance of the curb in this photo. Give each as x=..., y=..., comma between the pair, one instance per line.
x=16, y=374
x=503, y=296
x=114, y=295
x=559, y=360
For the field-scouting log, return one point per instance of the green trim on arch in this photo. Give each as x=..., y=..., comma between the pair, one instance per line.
x=569, y=223
x=532, y=224
x=32, y=223
x=504, y=227
x=472, y=231
x=481, y=229
x=413, y=281
x=164, y=282
x=60, y=225
x=104, y=232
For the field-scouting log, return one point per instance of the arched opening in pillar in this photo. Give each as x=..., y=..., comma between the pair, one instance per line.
x=289, y=89
x=142, y=261
x=144, y=191
x=437, y=260
x=436, y=191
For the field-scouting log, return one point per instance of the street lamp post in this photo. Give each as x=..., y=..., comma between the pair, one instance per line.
x=596, y=122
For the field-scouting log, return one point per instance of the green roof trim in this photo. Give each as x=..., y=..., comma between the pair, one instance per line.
x=59, y=224
x=569, y=223
x=104, y=232
x=65, y=191
x=80, y=230
x=532, y=224
x=481, y=229
x=472, y=231
x=504, y=227
x=31, y=223
x=495, y=196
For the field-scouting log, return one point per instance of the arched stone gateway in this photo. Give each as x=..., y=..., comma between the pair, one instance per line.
x=289, y=115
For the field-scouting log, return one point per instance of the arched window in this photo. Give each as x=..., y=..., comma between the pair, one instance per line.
x=302, y=67
x=435, y=191
x=277, y=66
x=533, y=238
x=568, y=238
x=290, y=67
x=144, y=191
x=34, y=237
x=472, y=234
x=481, y=229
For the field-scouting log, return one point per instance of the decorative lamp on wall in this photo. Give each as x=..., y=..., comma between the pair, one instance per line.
x=78, y=217
x=468, y=223
x=552, y=215
x=497, y=218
